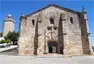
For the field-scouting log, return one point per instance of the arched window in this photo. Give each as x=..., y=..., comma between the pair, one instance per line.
x=51, y=20
x=71, y=19
x=33, y=22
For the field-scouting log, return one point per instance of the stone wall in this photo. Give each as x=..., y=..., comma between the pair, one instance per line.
x=74, y=35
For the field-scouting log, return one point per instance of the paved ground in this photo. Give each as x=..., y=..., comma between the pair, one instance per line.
x=11, y=57
x=11, y=52
x=5, y=59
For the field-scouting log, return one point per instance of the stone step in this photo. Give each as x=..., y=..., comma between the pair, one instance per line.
x=53, y=55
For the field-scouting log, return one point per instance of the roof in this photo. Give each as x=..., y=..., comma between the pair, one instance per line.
x=9, y=18
x=9, y=15
x=57, y=6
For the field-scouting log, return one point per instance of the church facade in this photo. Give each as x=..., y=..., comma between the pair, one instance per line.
x=54, y=29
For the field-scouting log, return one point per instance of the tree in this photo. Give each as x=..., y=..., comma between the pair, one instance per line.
x=12, y=36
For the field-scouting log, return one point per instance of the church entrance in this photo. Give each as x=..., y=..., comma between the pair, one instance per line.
x=52, y=47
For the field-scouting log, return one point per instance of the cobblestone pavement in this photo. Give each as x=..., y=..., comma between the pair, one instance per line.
x=6, y=59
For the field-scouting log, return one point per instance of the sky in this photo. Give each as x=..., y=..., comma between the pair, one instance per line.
x=16, y=7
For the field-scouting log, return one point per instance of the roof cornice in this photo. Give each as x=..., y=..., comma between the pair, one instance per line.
x=57, y=6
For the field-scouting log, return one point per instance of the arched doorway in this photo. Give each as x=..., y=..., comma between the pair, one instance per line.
x=52, y=47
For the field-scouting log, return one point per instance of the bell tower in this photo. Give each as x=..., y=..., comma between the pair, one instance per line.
x=8, y=25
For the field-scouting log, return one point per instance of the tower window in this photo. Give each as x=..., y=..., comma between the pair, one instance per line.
x=51, y=20
x=33, y=22
x=71, y=19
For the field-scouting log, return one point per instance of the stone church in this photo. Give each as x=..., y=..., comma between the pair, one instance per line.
x=54, y=29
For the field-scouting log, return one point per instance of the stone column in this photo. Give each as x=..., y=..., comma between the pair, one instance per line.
x=25, y=42
x=64, y=23
x=87, y=47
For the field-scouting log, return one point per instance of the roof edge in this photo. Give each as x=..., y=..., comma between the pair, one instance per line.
x=63, y=8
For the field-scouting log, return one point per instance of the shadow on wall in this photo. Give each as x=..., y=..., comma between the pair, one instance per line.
x=36, y=39
x=60, y=36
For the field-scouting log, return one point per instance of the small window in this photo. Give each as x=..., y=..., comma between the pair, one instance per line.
x=33, y=22
x=71, y=19
x=51, y=20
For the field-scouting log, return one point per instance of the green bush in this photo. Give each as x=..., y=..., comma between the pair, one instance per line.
x=2, y=41
x=5, y=41
x=8, y=41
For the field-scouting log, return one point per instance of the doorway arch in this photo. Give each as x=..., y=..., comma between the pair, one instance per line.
x=52, y=46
